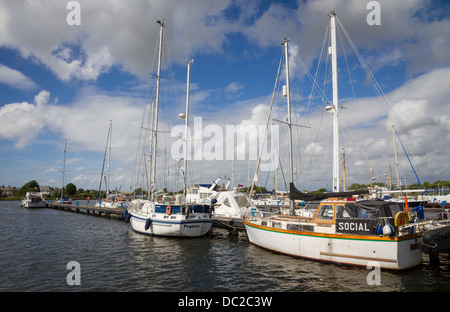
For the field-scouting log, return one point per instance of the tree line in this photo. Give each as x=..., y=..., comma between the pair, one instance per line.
x=69, y=190
x=437, y=185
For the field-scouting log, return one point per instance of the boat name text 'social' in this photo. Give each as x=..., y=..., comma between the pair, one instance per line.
x=354, y=226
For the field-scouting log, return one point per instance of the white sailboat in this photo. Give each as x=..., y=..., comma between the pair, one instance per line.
x=111, y=200
x=163, y=219
x=64, y=200
x=200, y=193
x=400, y=195
x=341, y=230
x=228, y=206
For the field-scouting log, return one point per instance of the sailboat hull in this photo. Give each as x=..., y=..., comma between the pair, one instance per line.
x=384, y=252
x=177, y=224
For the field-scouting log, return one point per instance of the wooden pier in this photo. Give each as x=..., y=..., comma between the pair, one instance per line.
x=117, y=213
x=231, y=224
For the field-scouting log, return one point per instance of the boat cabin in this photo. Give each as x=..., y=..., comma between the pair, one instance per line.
x=356, y=217
x=343, y=216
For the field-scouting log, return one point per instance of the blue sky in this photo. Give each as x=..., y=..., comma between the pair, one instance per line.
x=66, y=82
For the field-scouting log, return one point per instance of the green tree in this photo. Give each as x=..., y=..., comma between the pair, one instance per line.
x=440, y=184
x=71, y=189
x=356, y=187
x=29, y=186
x=414, y=186
x=256, y=189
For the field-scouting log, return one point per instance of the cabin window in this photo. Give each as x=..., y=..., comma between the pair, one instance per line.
x=341, y=212
x=293, y=227
x=276, y=225
x=326, y=212
x=226, y=202
x=241, y=201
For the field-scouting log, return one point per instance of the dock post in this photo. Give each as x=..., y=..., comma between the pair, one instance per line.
x=434, y=259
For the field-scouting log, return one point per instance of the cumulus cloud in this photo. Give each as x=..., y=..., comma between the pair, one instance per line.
x=117, y=33
x=15, y=79
x=23, y=121
x=85, y=122
x=121, y=33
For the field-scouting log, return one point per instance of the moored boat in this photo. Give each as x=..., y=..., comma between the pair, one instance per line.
x=34, y=200
x=229, y=207
x=154, y=217
x=341, y=230
x=170, y=220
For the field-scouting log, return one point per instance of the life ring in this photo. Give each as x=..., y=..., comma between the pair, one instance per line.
x=169, y=210
x=401, y=218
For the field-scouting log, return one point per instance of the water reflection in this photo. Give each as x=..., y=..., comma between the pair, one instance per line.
x=37, y=244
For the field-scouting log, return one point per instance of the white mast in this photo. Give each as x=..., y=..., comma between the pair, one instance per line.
x=399, y=183
x=291, y=162
x=186, y=130
x=155, y=127
x=109, y=158
x=334, y=108
x=64, y=169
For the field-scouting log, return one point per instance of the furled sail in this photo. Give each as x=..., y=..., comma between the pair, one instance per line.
x=295, y=194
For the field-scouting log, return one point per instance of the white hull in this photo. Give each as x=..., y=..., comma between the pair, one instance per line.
x=146, y=221
x=33, y=200
x=121, y=205
x=27, y=204
x=389, y=253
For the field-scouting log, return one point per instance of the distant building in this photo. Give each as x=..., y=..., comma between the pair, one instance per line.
x=47, y=190
x=8, y=191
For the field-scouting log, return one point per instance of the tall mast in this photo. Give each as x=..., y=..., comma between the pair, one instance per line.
x=109, y=158
x=399, y=186
x=155, y=127
x=344, y=182
x=291, y=162
x=334, y=108
x=186, y=130
x=64, y=169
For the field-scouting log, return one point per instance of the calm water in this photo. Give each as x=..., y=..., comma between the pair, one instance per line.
x=37, y=244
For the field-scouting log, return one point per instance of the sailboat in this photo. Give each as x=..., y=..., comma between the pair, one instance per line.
x=342, y=230
x=64, y=200
x=228, y=204
x=155, y=217
x=401, y=195
x=112, y=200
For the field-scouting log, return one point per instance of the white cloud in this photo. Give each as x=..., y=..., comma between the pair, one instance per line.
x=234, y=87
x=22, y=122
x=124, y=34
x=111, y=33
x=16, y=79
x=85, y=122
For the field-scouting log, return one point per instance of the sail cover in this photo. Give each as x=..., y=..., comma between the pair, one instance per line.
x=295, y=194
